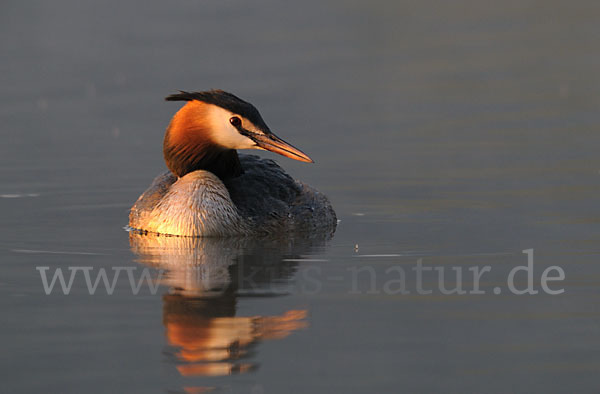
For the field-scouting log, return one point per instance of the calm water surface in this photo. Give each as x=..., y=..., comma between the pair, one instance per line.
x=458, y=133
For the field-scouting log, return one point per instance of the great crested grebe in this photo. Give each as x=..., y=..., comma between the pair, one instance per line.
x=210, y=190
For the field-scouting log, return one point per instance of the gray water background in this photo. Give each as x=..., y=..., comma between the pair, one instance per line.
x=457, y=132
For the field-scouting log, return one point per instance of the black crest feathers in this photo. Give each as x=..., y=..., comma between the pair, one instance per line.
x=225, y=100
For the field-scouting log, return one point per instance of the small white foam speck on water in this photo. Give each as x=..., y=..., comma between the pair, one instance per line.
x=19, y=195
x=56, y=252
x=42, y=104
x=90, y=90
x=306, y=260
x=382, y=255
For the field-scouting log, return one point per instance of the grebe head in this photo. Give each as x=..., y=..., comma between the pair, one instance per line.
x=205, y=133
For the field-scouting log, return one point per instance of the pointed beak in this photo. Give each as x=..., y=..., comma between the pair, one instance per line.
x=275, y=144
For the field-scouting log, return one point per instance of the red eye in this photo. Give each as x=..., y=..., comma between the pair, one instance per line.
x=235, y=121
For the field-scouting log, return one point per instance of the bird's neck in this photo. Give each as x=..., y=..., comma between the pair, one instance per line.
x=223, y=163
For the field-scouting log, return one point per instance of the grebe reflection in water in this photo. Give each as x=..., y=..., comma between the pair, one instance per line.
x=206, y=278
